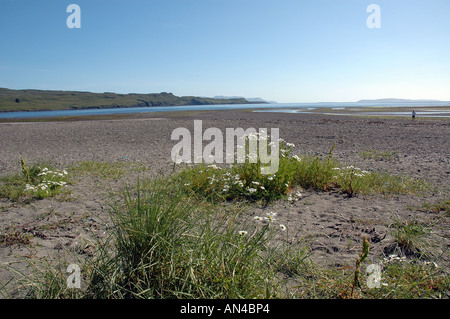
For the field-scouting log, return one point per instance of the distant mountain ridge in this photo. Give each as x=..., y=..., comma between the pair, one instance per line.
x=40, y=100
x=393, y=100
x=250, y=99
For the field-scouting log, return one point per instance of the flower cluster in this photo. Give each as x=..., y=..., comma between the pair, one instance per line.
x=48, y=180
x=269, y=218
x=354, y=170
x=45, y=186
x=46, y=171
x=297, y=158
x=397, y=259
x=294, y=197
x=393, y=258
x=227, y=181
x=245, y=179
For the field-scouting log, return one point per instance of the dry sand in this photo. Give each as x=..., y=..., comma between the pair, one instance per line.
x=331, y=223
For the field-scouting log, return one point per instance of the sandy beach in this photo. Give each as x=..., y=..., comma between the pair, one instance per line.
x=331, y=223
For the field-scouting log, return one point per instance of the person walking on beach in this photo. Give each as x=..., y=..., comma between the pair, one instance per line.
x=413, y=114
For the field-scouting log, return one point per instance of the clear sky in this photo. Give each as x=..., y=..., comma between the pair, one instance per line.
x=281, y=50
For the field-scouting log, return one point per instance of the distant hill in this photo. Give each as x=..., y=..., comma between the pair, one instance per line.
x=251, y=99
x=39, y=100
x=391, y=100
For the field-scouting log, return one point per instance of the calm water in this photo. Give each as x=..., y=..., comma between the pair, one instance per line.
x=281, y=107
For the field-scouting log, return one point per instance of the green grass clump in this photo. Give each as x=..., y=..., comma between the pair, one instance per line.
x=378, y=155
x=352, y=180
x=108, y=170
x=168, y=246
x=37, y=181
x=414, y=238
x=314, y=172
x=442, y=206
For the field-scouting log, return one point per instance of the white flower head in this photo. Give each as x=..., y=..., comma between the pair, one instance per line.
x=270, y=216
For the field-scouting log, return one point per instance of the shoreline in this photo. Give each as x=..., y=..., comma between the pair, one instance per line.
x=369, y=111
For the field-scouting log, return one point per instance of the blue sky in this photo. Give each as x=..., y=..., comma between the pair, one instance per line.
x=281, y=50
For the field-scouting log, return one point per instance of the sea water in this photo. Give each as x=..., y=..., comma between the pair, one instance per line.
x=269, y=107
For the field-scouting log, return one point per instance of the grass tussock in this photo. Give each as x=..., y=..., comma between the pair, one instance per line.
x=167, y=246
x=414, y=238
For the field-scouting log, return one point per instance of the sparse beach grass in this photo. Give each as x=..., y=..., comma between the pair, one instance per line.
x=185, y=236
x=106, y=170
x=378, y=155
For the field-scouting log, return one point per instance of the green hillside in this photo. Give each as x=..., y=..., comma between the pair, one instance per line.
x=37, y=100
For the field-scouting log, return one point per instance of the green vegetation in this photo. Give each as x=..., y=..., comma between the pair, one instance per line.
x=442, y=206
x=109, y=170
x=414, y=238
x=12, y=236
x=40, y=180
x=401, y=278
x=169, y=246
x=37, y=100
x=246, y=182
x=187, y=236
x=165, y=244
x=378, y=155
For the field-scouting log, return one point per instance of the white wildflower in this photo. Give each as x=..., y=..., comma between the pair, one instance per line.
x=270, y=216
